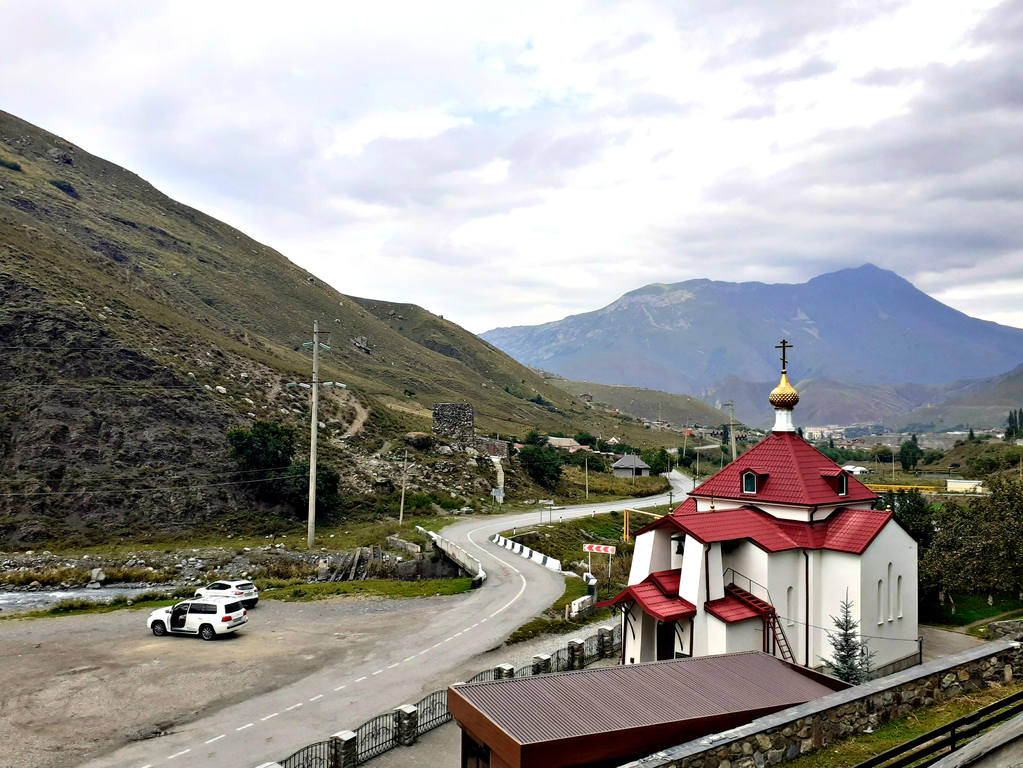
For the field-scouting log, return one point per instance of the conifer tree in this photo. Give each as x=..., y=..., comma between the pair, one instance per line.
x=851, y=659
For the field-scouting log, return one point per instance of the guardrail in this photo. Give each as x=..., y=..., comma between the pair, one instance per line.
x=526, y=552
x=466, y=561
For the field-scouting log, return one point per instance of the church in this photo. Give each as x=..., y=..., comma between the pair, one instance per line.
x=760, y=556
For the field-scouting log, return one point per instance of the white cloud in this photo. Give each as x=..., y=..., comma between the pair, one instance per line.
x=550, y=156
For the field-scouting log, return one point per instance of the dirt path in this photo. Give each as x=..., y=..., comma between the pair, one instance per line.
x=361, y=414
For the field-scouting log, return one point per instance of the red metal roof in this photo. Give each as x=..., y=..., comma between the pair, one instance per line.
x=791, y=472
x=554, y=707
x=731, y=609
x=844, y=530
x=657, y=595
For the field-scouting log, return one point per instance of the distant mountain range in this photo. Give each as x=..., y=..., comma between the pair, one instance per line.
x=869, y=346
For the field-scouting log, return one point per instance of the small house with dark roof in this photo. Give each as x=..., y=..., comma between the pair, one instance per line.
x=606, y=716
x=761, y=555
x=630, y=465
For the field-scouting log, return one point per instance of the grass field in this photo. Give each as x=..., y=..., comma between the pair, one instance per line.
x=968, y=609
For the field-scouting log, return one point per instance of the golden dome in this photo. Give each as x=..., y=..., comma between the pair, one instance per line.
x=784, y=395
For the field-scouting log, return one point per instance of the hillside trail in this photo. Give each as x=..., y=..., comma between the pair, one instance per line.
x=361, y=414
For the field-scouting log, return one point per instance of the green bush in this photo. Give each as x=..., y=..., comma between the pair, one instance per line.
x=65, y=187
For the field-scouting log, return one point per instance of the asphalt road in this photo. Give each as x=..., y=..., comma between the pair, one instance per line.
x=433, y=646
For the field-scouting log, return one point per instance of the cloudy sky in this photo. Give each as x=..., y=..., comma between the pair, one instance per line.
x=511, y=163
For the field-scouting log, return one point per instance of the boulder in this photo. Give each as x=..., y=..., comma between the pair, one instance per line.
x=96, y=574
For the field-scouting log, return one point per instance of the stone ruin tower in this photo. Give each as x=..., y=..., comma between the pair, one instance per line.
x=454, y=421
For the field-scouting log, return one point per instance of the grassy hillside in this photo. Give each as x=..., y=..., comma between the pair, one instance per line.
x=653, y=404
x=136, y=330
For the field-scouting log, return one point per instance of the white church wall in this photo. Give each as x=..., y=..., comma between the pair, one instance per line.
x=715, y=636
x=714, y=582
x=651, y=553
x=891, y=616
x=749, y=560
x=691, y=585
x=787, y=571
x=744, y=636
x=835, y=573
x=640, y=636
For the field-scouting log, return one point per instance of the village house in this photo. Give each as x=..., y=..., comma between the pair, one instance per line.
x=760, y=556
x=630, y=465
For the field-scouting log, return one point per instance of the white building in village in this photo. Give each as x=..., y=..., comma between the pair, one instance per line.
x=761, y=554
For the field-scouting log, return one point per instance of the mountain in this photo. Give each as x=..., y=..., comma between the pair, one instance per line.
x=976, y=402
x=136, y=330
x=677, y=410
x=853, y=327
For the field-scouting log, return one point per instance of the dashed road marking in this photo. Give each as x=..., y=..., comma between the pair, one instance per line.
x=242, y=728
x=409, y=658
x=340, y=687
x=269, y=716
x=361, y=679
x=178, y=754
x=392, y=666
x=293, y=706
x=316, y=697
x=377, y=672
x=215, y=738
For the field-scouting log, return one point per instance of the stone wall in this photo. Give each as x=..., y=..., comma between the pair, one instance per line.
x=466, y=562
x=491, y=447
x=791, y=732
x=454, y=421
x=1012, y=628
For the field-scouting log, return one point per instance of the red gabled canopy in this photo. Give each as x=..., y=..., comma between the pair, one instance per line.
x=657, y=595
x=844, y=530
x=790, y=471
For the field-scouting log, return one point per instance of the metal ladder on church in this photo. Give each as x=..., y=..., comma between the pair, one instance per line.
x=780, y=640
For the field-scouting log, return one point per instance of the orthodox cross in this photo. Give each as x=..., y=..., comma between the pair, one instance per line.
x=783, y=347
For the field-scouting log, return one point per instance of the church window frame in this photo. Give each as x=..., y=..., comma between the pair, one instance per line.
x=898, y=596
x=880, y=602
x=749, y=482
x=790, y=604
x=843, y=484
x=888, y=594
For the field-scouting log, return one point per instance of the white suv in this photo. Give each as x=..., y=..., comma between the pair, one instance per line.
x=206, y=617
x=239, y=589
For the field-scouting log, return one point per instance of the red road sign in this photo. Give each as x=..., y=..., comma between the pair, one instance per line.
x=605, y=548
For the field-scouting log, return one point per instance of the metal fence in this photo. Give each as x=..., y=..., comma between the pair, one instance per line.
x=433, y=711
x=483, y=677
x=376, y=736
x=316, y=755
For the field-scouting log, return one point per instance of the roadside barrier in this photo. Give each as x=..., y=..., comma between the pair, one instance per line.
x=404, y=724
x=526, y=552
x=467, y=562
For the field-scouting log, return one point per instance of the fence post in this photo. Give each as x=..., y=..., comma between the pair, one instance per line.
x=576, y=654
x=504, y=671
x=541, y=664
x=408, y=724
x=605, y=642
x=344, y=749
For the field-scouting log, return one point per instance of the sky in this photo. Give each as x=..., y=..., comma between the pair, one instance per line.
x=512, y=163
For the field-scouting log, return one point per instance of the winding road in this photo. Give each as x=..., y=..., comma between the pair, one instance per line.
x=420, y=646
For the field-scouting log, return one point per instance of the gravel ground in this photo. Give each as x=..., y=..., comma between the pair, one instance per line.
x=96, y=681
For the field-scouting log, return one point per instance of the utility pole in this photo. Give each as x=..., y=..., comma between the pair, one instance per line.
x=404, y=474
x=313, y=429
x=731, y=425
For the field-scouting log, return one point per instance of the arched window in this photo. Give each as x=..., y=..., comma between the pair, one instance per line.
x=749, y=482
x=888, y=595
x=790, y=607
x=898, y=596
x=843, y=484
x=880, y=601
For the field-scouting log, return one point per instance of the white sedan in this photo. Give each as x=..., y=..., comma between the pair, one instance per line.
x=237, y=588
x=206, y=617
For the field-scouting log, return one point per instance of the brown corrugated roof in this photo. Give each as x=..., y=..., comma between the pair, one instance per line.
x=572, y=704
